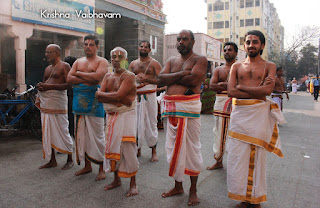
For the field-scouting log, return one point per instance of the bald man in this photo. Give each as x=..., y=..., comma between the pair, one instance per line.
x=53, y=103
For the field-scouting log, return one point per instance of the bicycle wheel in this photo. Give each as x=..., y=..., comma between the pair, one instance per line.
x=35, y=123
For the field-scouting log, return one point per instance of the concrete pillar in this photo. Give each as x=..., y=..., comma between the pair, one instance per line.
x=67, y=50
x=20, y=32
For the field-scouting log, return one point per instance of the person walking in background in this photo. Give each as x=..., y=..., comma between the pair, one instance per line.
x=316, y=88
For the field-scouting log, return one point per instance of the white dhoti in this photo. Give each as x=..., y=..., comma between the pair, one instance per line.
x=182, y=127
x=222, y=110
x=90, y=139
x=253, y=131
x=53, y=105
x=294, y=87
x=277, y=97
x=121, y=147
x=147, y=111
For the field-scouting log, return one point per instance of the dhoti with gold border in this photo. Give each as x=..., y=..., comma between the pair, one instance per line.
x=53, y=105
x=121, y=147
x=222, y=110
x=183, y=147
x=253, y=131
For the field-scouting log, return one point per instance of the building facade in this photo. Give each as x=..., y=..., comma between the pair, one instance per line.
x=230, y=20
x=204, y=45
x=27, y=27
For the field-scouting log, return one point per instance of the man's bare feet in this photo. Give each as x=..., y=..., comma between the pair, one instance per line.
x=101, y=176
x=68, y=165
x=139, y=152
x=218, y=165
x=132, y=191
x=49, y=165
x=115, y=183
x=154, y=158
x=256, y=205
x=83, y=171
x=172, y=192
x=243, y=205
x=193, y=198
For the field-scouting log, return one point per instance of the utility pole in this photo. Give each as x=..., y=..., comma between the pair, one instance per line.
x=318, y=57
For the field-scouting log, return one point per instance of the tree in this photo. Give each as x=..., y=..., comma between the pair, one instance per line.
x=308, y=62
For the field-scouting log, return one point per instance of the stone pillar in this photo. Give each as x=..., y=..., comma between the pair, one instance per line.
x=20, y=32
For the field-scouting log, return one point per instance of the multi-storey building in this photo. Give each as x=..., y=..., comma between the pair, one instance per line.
x=229, y=20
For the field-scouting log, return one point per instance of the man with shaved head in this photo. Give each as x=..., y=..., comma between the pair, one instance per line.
x=181, y=108
x=53, y=103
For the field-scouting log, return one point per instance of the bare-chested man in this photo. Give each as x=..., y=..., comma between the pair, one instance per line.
x=253, y=124
x=222, y=106
x=118, y=93
x=294, y=84
x=53, y=104
x=146, y=70
x=85, y=75
x=181, y=108
x=279, y=88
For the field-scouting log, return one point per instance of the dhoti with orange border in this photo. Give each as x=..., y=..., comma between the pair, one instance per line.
x=253, y=131
x=121, y=148
x=53, y=105
x=222, y=110
x=183, y=147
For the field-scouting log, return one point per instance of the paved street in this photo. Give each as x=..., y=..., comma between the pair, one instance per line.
x=293, y=181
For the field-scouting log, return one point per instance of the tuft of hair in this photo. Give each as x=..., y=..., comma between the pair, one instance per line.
x=145, y=41
x=120, y=49
x=256, y=33
x=279, y=68
x=232, y=44
x=92, y=37
x=70, y=60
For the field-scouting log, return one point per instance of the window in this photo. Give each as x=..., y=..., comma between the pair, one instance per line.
x=226, y=5
x=217, y=25
x=210, y=8
x=210, y=25
x=249, y=3
x=226, y=24
x=257, y=21
x=218, y=6
x=241, y=3
x=241, y=23
x=257, y=3
x=249, y=22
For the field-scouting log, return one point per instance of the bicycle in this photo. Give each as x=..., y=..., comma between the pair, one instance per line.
x=28, y=117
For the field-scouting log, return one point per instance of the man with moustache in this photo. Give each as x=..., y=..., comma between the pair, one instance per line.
x=253, y=124
x=181, y=108
x=222, y=106
x=146, y=70
x=53, y=103
x=118, y=93
x=85, y=75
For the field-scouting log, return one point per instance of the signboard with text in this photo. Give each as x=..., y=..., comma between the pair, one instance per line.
x=67, y=14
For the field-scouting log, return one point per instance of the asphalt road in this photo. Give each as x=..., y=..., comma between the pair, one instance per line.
x=293, y=181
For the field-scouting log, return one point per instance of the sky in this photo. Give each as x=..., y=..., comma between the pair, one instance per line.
x=190, y=14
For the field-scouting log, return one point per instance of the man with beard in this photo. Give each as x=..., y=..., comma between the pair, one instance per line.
x=181, y=108
x=85, y=75
x=146, y=70
x=53, y=103
x=222, y=106
x=253, y=124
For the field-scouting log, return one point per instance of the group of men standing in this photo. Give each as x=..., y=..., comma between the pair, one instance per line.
x=128, y=99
